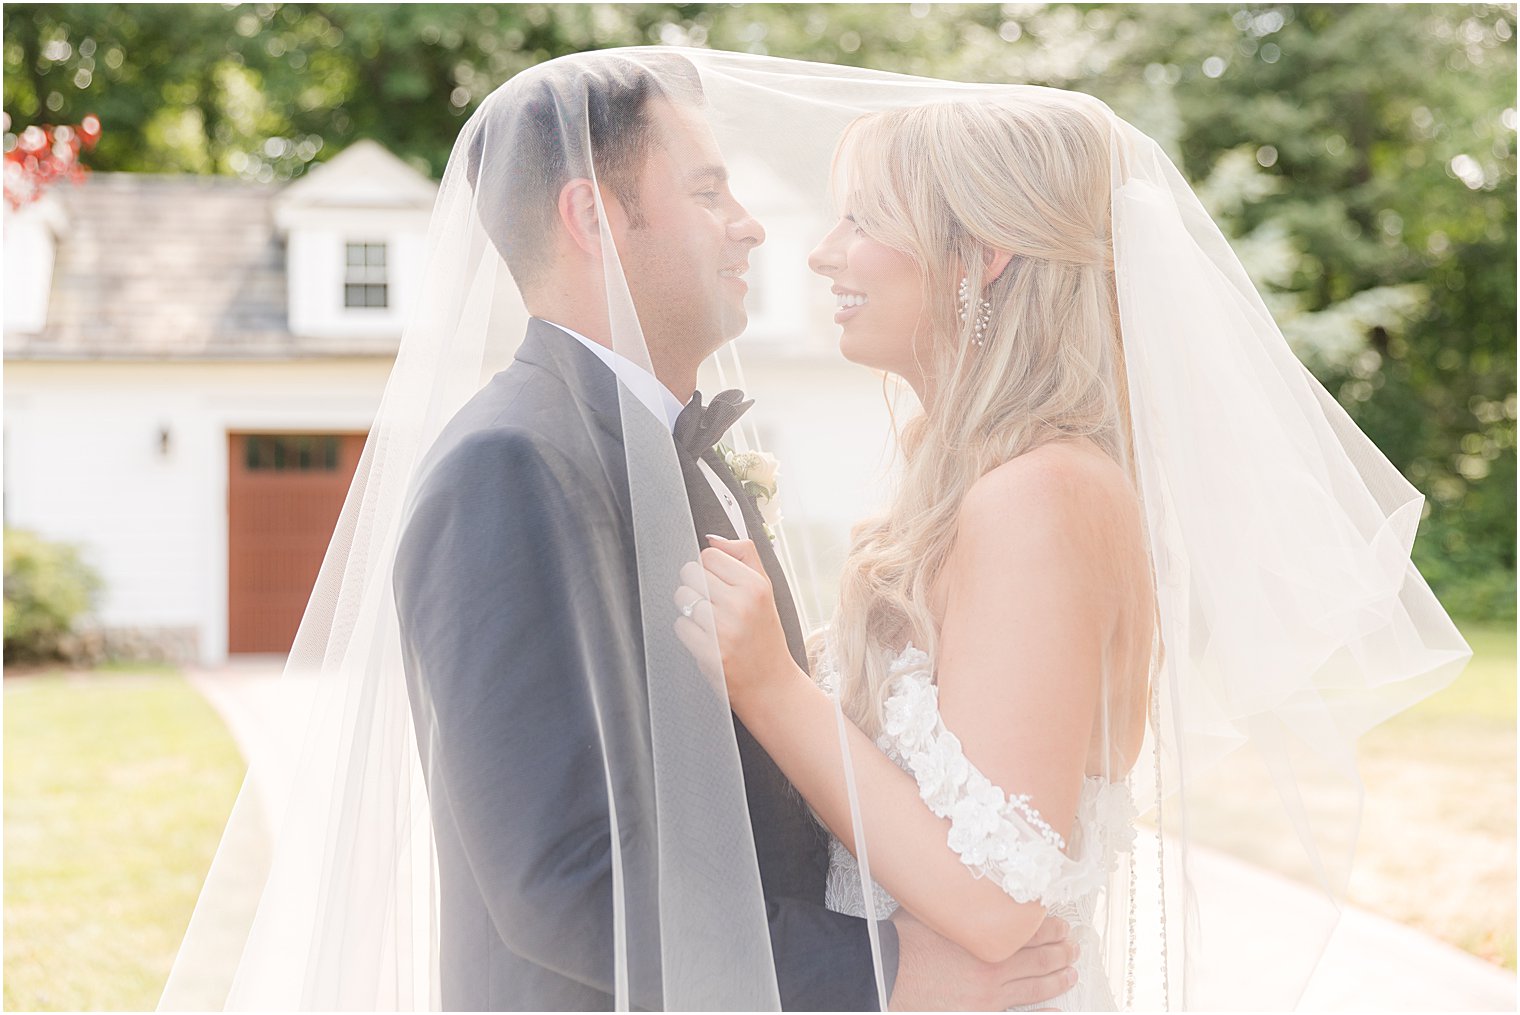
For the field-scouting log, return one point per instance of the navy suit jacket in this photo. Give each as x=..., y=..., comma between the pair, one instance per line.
x=516, y=586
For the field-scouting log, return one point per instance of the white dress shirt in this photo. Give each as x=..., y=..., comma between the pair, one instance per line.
x=658, y=399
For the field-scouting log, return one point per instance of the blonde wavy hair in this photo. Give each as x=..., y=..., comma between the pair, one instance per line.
x=946, y=184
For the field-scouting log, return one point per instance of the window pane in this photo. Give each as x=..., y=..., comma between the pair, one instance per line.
x=353, y=295
x=375, y=295
x=291, y=452
x=375, y=255
x=355, y=254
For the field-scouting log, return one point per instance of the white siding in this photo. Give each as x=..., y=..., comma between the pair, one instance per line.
x=84, y=463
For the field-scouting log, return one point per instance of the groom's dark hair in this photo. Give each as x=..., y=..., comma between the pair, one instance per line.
x=535, y=133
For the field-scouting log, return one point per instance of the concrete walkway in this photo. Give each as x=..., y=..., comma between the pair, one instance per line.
x=1370, y=964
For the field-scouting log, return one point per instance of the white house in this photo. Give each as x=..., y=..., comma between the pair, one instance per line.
x=192, y=364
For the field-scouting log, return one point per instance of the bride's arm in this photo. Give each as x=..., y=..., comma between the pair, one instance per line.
x=1019, y=673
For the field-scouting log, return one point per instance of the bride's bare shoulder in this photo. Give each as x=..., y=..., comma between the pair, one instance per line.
x=1070, y=483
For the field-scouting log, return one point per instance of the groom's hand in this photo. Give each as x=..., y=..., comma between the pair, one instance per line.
x=934, y=974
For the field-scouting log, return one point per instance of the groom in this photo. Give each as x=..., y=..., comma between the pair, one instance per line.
x=516, y=581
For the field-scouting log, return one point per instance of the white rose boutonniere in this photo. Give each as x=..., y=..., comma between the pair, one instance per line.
x=757, y=473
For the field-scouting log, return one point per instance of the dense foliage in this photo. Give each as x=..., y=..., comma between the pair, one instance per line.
x=47, y=589
x=1362, y=156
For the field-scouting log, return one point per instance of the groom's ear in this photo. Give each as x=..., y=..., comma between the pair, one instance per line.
x=578, y=215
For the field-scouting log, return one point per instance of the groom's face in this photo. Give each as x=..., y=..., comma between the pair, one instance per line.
x=685, y=245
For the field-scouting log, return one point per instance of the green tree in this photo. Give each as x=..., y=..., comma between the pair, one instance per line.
x=1392, y=131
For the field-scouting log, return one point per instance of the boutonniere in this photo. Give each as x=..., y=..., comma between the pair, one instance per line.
x=756, y=472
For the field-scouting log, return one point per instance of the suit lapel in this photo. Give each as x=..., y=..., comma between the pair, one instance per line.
x=596, y=390
x=785, y=606
x=707, y=512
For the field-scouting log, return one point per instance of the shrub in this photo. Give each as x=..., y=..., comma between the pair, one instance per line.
x=47, y=588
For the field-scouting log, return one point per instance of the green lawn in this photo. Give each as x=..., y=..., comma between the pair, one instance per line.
x=1485, y=692
x=117, y=786
x=1437, y=849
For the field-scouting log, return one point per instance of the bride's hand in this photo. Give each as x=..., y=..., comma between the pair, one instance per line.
x=728, y=597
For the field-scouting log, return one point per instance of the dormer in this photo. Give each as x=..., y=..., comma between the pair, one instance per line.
x=31, y=244
x=355, y=231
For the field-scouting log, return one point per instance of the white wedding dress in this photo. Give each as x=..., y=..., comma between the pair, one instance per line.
x=996, y=835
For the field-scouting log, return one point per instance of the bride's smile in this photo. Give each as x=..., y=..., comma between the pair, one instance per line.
x=848, y=303
x=879, y=299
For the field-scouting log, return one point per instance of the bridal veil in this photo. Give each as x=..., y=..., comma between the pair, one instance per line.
x=1290, y=617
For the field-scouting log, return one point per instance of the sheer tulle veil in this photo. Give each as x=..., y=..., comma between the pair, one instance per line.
x=1290, y=617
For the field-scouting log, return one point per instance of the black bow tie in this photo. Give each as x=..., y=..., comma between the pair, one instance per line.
x=698, y=429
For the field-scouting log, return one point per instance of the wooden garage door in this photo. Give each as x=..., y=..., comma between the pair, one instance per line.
x=284, y=493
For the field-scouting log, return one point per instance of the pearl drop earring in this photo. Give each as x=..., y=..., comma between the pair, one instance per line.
x=983, y=312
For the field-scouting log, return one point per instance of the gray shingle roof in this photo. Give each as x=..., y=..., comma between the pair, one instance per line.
x=172, y=267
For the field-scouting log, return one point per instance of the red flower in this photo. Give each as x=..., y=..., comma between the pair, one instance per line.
x=42, y=155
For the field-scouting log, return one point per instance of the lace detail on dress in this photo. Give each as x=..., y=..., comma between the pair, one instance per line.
x=826, y=672
x=995, y=835
x=1003, y=837
x=843, y=891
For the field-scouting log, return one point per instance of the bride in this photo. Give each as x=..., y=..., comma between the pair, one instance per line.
x=998, y=643
x=995, y=629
